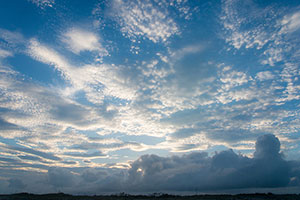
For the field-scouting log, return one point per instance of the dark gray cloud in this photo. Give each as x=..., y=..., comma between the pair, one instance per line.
x=267, y=146
x=225, y=170
x=16, y=184
x=60, y=177
x=92, y=175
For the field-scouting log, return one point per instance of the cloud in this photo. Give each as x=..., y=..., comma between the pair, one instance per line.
x=265, y=75
x=60, y=177
x=79, y=40
x=43, y=3
x=11, y=38
x=4, y=125
x=290, y=22
x=238, y=30
x=16, y=184
x=268, y=28
x=142, y=18
x=95, y=80
x=45, y=155
x=5, y=53
x=92, y=175
x=224, y=170
x=267, y=146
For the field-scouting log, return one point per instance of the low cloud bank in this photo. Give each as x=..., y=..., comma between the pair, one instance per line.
x=195, y=172
x=225, y=170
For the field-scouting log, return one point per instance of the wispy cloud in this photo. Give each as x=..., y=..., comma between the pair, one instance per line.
x=290, y=23
x=5, y=53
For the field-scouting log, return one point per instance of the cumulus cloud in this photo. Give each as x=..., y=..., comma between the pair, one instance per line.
x=60, y=177
x=224, y=170
x=267, y=146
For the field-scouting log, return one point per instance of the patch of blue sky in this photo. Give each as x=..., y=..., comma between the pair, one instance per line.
x=124, y=155
x=9, y=141
x=15, y=15
x=216, y=148
x=36, y=71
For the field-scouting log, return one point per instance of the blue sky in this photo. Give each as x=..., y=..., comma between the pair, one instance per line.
x=102, y=93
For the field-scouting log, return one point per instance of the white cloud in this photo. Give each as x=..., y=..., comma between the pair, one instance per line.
x=142, y=18
x=79, y=40
x=234, y=23
x=190, y=49
x=262, y=28
x=5, y=53
x=265, y=75
x=95, y=80
x=11, y=41
x=46, y=55
x=43, y=3
x=230, y=86
x=290, y=23
x=233, y=79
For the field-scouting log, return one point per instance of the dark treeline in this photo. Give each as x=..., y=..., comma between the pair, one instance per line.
x=155, y=196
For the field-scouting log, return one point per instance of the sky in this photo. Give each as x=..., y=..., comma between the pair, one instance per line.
x=147, y=96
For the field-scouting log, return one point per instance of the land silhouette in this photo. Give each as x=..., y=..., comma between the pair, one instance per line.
x=123, y=196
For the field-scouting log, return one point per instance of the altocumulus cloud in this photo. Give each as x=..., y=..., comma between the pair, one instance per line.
x=195, y=171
